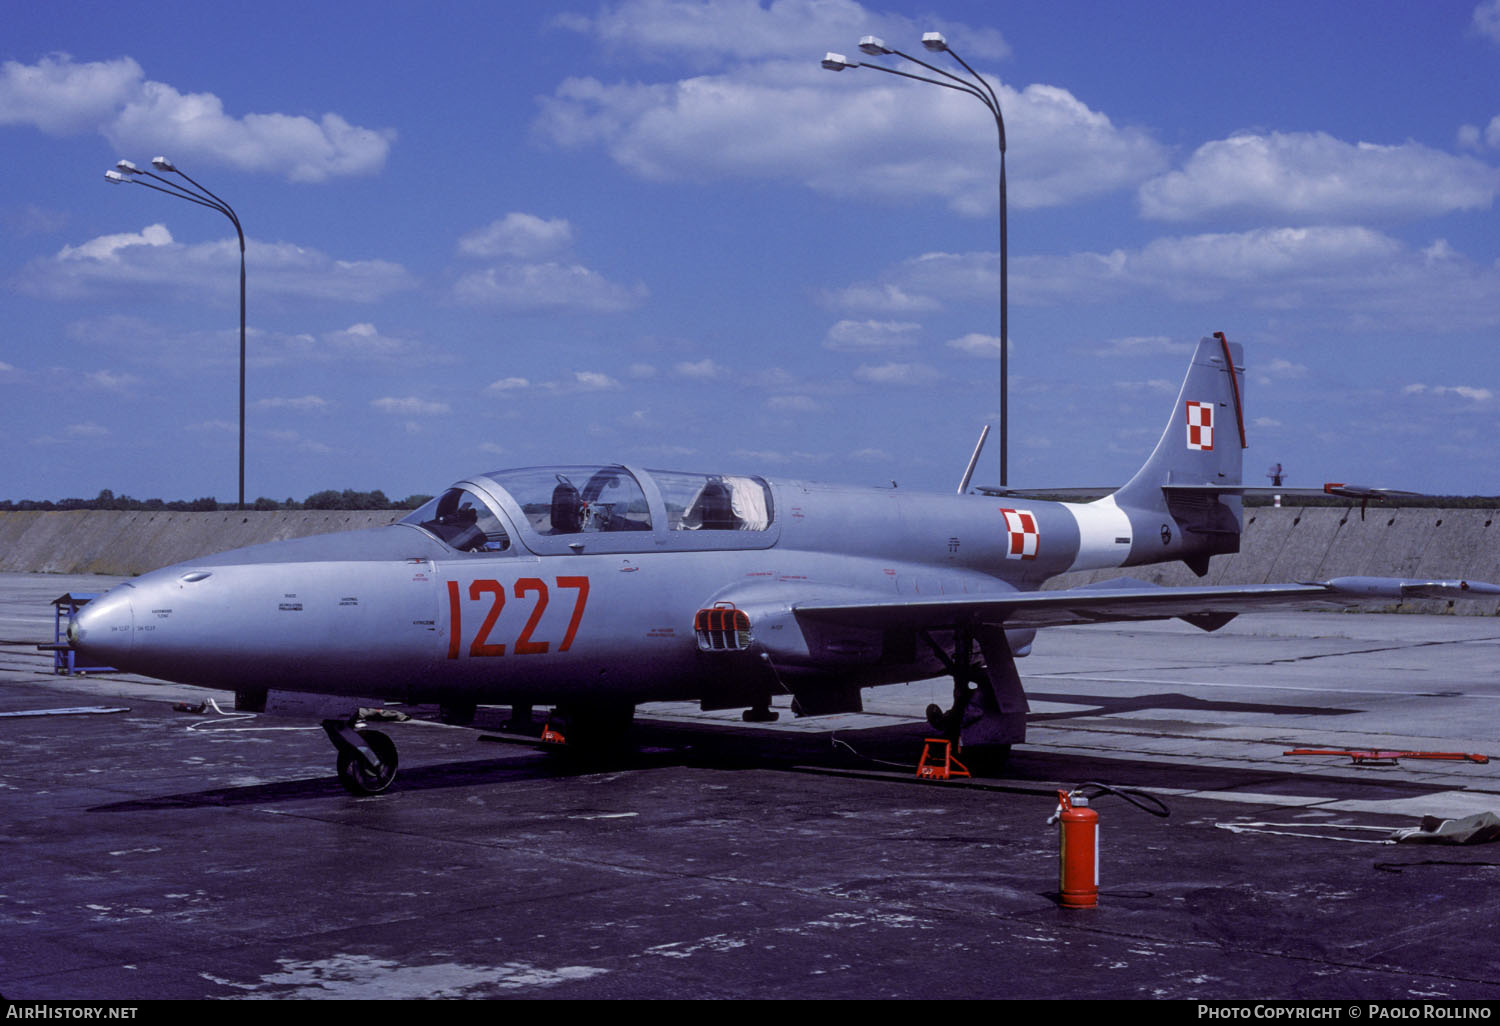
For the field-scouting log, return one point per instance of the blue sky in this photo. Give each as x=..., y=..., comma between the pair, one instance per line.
x=487, y=235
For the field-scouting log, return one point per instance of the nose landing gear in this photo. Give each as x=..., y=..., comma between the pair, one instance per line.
x=366, y=758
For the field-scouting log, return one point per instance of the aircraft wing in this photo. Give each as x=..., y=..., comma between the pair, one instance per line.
x=1129, y=599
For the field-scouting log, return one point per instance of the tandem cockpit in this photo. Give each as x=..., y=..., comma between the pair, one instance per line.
x=560, y=510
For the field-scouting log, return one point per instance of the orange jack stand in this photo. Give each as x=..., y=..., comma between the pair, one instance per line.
x=942, y=764
x=552, y=736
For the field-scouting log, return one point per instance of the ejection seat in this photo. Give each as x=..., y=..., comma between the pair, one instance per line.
x=567, y=509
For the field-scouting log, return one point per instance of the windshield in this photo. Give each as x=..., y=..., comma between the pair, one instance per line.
x=463, y=520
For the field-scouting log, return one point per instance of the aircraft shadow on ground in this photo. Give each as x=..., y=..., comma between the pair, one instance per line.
x=653, y=746
x=418, y=778
x=1098, y=705
x=892, y=751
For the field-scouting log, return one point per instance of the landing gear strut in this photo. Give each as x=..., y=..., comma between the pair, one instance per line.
x=366, y=758
x=593, y=730
x=989, y=704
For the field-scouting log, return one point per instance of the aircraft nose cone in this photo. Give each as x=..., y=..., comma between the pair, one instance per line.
x=104, y=630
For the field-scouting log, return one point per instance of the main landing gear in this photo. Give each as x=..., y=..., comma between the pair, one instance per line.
x=366, y=758
x=989, y=704
x=592, y=731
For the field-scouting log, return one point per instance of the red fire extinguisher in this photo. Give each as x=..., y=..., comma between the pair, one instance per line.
x=1078, y=839
x=1078, y=855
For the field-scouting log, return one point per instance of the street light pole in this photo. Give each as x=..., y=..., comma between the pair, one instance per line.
x=124, y=171
x=986, y=95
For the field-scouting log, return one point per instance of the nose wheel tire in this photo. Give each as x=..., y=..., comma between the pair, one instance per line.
x=358, y=777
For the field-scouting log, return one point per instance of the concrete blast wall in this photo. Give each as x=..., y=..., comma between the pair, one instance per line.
x=120, y=543
x=1286, y=544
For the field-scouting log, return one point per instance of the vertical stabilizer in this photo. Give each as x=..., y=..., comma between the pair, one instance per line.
x=1185, y=495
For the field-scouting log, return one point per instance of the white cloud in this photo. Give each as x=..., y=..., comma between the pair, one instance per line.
x=863, y=336
x=1487, y=20
x=550, y=286
x=535, y=271
x=1144, y=345
x=580, y=381
x=31, y=219
x=295, y=440
x=1472, y=137
x=1369, y=277
x=711, y=30
x=300, y=404
x=702, y=370
x=63, y=98
x=362, y=347
x=1462, y=391
x=364, y=341
x=107, y=247
x=1157, y=386
x=880, y=298
x=1281, y=263
x=897, y=374
x=932, y=278
x=976, y=344
x=1311, y=176
x=110, y=381
x=285, y=269
x=754, y=456
x=519, y=236
x=410, y=406
x=794, y=403
x=591, y=381
x=852, y=136
x=209, y=272
x=114, y=98
x=88, y=431
x=508, y=385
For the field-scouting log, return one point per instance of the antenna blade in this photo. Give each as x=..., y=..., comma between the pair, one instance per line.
x=963, y=486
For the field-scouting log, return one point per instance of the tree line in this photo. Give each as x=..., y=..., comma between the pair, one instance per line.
x=326, y=499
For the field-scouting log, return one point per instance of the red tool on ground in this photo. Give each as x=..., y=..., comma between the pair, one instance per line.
x=1389, y=758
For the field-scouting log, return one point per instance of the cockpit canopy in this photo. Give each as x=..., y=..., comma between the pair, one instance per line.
x=544, y=503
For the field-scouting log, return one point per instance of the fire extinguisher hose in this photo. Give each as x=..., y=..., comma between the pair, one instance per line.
x=1145, y=802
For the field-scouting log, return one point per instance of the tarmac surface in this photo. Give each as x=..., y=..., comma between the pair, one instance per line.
x=152, y=853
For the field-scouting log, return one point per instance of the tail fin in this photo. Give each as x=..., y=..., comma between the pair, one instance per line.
x=1194, y=475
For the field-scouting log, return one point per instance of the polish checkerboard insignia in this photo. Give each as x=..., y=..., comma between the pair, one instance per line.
x=1025, y=539
x=1200, y=426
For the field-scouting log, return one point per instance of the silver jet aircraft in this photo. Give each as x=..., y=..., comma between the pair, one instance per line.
x=596, y=588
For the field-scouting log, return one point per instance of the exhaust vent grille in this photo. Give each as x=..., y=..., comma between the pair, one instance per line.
x=722, y=629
